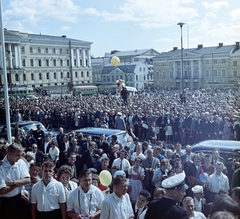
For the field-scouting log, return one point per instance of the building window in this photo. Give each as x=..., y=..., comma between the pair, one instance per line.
x=143, y=69
x=16, y=78
x=223, y=61
x=39, y=50
x=46, y=50
x=23, y=49
x=164, y=64
x=60, y=50
x=54, y=51
x=61, y=75
x=157, y=75
x=31, y=63
x=24, y=62
x=24, y=77
x=86, y=52
x=54, y=75
x=206, y=61
x=68, y=63
x=86, y=62
x=75, y=62
x=76, y=74
x=136, y=77
x=164, y=74
x=80, y=51
x=54, y=62
x=74, y=51
x=82, y=74
x=140, y=69
x=67, y=51
x=234, y=63
x=47, y=75
x=87, y=74
x=207, y=74
x=47, y=62
x=61, y=62
x=80, y=62
x=31, y=50
x=235, y=73
x=171, y=73
x=39, y=62
x=215, y=72
x=32, y=77
x=223, y=72
x=68, y=75
x=40, y=76
x=214, y=61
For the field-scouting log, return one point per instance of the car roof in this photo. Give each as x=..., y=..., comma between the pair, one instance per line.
x=98, y=131
x=222, y=145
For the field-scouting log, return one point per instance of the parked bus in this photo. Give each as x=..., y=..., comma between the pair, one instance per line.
x=19, y=92
x=85, y=90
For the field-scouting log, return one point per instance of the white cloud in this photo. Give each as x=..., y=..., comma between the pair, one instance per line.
x=149, y=14
x=211, y=15
x=35, y=11
x=235, y=14
x=65, y=28
x=215, y=6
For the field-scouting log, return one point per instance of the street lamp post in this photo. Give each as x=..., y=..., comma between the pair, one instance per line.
x=181, y=25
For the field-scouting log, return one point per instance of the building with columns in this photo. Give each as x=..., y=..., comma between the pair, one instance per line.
x=47, y=62
x=203, y=67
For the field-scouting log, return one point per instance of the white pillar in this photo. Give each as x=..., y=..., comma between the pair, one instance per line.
x=89, y=58
x=192, y=69
x=16, y=56
x=72, y=59
x=84, y=58
x=10, y=55
x=174, y=70
x=19, y=57
x=200, y=68
x=78, y=60
x=1, y=64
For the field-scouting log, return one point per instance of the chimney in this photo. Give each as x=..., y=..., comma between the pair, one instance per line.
x=237, y=45
x=200, y=46
x=220, y=44
x=64, y=36
x=174, y=48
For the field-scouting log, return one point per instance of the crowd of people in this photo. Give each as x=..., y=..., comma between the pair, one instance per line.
x=151, y=176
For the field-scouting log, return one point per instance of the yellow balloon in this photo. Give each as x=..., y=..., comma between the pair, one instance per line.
x=105, y=177
x=115, y=61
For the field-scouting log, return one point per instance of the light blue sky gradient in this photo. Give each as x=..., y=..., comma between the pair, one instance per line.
x=128, y=24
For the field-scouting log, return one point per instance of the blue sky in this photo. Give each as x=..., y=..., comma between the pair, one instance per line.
x=128, y=24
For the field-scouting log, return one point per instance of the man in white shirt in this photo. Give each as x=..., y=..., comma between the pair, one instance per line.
x=121, y=162
x=86, y=200
x=48, y=196
x=138, y=153
x=217, y=181
x=188, y=205
x=117, y=205
x=13, y=175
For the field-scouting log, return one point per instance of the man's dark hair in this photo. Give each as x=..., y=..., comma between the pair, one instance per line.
x=118, y=179
x=145, y=194
x=84, y=173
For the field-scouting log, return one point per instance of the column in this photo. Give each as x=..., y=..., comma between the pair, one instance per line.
x=19, y=57
x=174, y=70
x=192, y=68
x=200, y=68
x=89, y=58
x=84, y=58
x=78, y=60
x=16, y=56
x=72, y=59
x=10, y=55
x=1, y=64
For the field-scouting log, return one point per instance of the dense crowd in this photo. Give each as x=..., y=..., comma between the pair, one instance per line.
x=150, y=165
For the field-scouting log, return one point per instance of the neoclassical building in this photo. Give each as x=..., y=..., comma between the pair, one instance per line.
x=203, y=67
x=41, y=61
